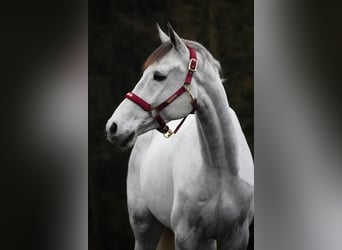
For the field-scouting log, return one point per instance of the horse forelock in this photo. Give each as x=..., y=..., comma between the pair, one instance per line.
x=157, y=54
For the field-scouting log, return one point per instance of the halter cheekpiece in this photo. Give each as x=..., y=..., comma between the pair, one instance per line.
x=154, y=111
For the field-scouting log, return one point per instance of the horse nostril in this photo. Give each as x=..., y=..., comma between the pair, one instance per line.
x=113, y=128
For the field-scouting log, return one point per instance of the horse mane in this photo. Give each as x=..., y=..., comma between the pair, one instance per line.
x=205, y=54
x=164, y=48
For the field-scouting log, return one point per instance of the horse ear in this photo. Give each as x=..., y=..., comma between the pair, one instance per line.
x=176, y=41
x=163, y=37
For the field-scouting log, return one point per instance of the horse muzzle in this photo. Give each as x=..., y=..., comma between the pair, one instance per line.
x=123, y=139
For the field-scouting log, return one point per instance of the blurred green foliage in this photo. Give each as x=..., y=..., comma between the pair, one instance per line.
x=121, y=35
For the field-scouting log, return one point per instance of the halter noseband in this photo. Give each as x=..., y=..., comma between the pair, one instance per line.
x=154, y=111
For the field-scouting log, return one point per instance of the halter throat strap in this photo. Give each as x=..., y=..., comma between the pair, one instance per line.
x=154, y=111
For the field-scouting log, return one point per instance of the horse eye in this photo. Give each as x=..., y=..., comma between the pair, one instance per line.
x=158, y=76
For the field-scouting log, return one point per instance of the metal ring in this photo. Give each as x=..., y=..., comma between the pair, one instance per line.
x=168, y=134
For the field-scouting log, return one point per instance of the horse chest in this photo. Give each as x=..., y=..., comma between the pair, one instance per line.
x=177, y=184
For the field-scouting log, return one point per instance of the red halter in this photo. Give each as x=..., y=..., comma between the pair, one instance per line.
x=154, y=111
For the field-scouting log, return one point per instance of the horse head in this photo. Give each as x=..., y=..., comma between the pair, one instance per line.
x=159, y=96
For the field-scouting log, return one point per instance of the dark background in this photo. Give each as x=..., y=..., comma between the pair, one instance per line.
x=297, y=126
x=121, y=35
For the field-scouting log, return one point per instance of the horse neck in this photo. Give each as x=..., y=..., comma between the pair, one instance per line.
x=216, y=129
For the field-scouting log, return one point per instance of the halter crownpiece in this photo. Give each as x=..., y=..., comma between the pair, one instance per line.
x=154, y=111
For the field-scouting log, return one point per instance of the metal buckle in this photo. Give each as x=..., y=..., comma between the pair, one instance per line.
x=193, y=64
x=168, y=134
